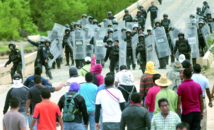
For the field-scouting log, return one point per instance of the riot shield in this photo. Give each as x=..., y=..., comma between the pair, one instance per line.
x=79, y=48
x=150, y=49
x=60, y=29
x=212, y=27
x=129, y=25
x=23, y=58
x=161, y=42
x=122, y=52
x=88, y=33
x=134, y=46
x=174, y=35
x=98, y=43
x=49, y=34
x=83, y=22
x=55, y=50
x=192, y=37
x=115, y=35
x=206, y=32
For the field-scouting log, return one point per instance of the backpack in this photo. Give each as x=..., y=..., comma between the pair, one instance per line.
x=69, y=109
x=129, y=93
x=94, y=79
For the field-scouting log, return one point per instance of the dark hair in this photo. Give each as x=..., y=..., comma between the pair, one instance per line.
x=136, y=97
x=45, y=93
x=187, y=73
x=89, y=77
x=37, y=71
x=197, y=68
x=37, y=79
x=155, y=77
x=182, y=125
x=110, y=74
x=123, y=67
x=88, y=62
x=14, y=102
x=109, y=80
x=162, y=100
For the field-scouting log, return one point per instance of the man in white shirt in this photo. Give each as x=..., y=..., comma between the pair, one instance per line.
x=112, y=102
x=118, y=77
x=74, y=77
x=204, y=83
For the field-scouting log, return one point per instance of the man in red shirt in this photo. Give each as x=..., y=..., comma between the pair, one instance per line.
x=46, y=113
x=190, y=96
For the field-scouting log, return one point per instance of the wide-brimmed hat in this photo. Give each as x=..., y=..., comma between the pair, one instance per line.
x=163, y=81
x=177, y=66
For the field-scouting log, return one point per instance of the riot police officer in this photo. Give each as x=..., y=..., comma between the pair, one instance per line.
x=95, y=22
x=110, y=16
x=140, y=19
x=157, y=23
x=109, y=34
x=165, y=23
x=149, y=32
x=67, y=44
x=90, y=18
x=209, y=20
x=109, y=42
x=135, y=29
x=153, y=13
x=114, y=56
x=183, y=47
x=15, y=57
x=204, y=8
x=198, y=11
x=123, y=33
x=201, y=39
x=143, y=12
x=130, y=58
x=127, y=17
x=141, y=49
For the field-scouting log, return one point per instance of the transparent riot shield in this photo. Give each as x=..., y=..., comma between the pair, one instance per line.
x=161, y=42
x=115, y=35
x=174, y=35
x=49, y=33
x=60, y=29
x=206, y=32
x=23, y=57
x=192, y=37
x=129, y=25
x=122, y=52
x=212, y=27
x=55, y=50
x=79, y=46
x=150, y=49
x=99, y=45
x=122, y=23
x=83, y=22
x=134, y=46
x=88, y=34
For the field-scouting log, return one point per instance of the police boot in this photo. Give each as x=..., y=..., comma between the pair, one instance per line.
x=53, y=65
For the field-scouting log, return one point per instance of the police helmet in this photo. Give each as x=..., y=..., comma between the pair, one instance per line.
x=84, y=15
x=94, y=21
x=165, y=15
x=126, y=10
x=110, y=30
x=109, y=40
x=109, y=12
x=13, y=44
x=42, y=39
x=128, y=31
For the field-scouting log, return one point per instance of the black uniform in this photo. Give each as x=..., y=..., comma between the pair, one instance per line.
x=183, y=48
x=209, y=21
x=141, y=49
x=67, y=39
x=58, y=60
x=201, y=41
x=130, y=58
x=141, y=21
x=153, y=10
x=143, y=13
x=111, y=18
x=204, y=9
x=15, y=57
x=127, y=18
x=114, y=64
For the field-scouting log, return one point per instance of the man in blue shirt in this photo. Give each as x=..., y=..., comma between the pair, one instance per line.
x=88, y=91
x=29, y=81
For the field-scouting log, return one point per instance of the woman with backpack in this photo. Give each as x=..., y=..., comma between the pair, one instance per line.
x=126, y=87
x=96, y=70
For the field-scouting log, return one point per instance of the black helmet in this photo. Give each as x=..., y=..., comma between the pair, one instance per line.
x=205, y=2
x=140, y=29
x=180, y=34
x=109, y=12
x=76, y=24
x=116, y=40
x=135, y=20
x=198, y=9
x=201, y=22
x=13, y=44
x=72, y=23
x=47, y=40
x=115, y=21
x=17, y=76
x=138, y=11
x=67, y=29
x=126, y=10
x=42, y=39
x=157, y=21
x=94, y=21
x=109, y=40
x=139, y=7
x=165, y=15
x=84, y=15
x=128, y=31
x=110, y=30
x=192, y=16
x=141, y=35
x=90, y=17
x=208, y=12
x=123, y=29
x=67, y=26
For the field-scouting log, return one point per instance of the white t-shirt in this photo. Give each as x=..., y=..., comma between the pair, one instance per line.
x=111, y=111
x=79, y=80
x=119, y=75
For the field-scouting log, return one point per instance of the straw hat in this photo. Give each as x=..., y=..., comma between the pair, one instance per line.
x=163, y=81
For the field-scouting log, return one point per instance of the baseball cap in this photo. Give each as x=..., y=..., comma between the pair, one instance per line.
x=87, y=59
x=182, y=58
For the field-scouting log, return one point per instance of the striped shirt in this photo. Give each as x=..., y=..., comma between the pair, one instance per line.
x=168, y=123
x=146, y=83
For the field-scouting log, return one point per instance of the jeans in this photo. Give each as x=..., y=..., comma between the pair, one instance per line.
x=151, y=115
x=72, y=126
x=111, y=126
x=91, y=116
x=27, y=119
x=193, y=119
x=30, y=120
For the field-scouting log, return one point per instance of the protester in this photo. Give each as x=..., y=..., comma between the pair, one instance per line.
x=96, y=70
x=190, y=96
x=35, y=92
x=46, y=113
x=182, y=126
x=85, y=69
x=151, y=95
x=74, y=77
x=126, y=87
x=13, y=119
x=19, y=91
x=185, y=63
x=88, y=91
x=134, y=116
x=146, y=81
x=165, y=119
x=29, y=81
x=173, y=75
x=112, y=103
x=76, y=103
x=167, y=93
x=123, y=69
x=204, y=83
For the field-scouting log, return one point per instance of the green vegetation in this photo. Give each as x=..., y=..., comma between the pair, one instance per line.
x=20, y=18
x=4, y=47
